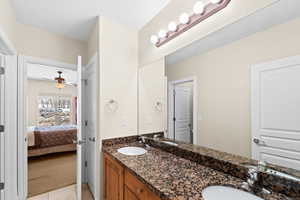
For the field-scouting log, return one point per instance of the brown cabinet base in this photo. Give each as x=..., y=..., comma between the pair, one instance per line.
x=120, y=184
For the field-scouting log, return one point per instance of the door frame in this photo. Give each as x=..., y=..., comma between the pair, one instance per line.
x=22, y=116
x=9, y=167
x=170, y=112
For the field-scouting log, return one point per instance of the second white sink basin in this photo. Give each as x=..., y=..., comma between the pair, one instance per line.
x=132, y=151
x=227, y=193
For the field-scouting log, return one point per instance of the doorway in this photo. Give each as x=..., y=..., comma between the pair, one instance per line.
x=51, y=94
x=51, y=143
x=182, y=110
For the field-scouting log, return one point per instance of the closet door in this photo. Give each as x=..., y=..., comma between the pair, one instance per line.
x=276, y=112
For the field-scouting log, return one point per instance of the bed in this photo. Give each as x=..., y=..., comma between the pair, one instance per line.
x=51, y=139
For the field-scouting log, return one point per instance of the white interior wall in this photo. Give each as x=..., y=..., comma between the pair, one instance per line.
x=118, y=79
x=151, y=91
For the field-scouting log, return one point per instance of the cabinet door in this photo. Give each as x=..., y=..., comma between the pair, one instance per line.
x=128, y=195
x=114, y=179
x=137, y=188
x=152, y=196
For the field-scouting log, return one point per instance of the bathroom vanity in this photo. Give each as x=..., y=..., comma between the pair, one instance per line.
x=176, y=172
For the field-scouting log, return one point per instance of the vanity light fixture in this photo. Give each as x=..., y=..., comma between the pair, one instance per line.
x=162, y=34
x=201, y=11
x=172, y=26
x=215, y=1
x=199, y=7
x=154, y=39
x=184, y=18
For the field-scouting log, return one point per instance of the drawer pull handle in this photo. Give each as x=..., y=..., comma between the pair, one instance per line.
x=139, y=191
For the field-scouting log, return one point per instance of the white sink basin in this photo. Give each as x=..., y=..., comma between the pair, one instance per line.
x=227, y=193
x=132, y=151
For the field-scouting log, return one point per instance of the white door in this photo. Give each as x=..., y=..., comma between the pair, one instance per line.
x=90, y=124
x=2, y=167
x=183, y=113
x=276, y=112
x=79, y=130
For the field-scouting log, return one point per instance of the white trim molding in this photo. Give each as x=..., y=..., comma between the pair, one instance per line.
x=8, y=91
x=48, y=62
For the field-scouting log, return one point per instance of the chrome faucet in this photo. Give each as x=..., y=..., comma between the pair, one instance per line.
x=143, y=141
x=156, y=137
x=252, y=182
x=252, y=178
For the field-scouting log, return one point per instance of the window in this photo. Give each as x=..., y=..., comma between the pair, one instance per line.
x=56, y=110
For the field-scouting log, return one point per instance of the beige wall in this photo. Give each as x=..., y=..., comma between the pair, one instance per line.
x=7, y=20
x=233, y=12
x=118, y=64
x=118, y=78
x=93, y=41
x=40, y=43
x=151, y=91
x=224, y=84
x=37, y=42
x=36, y=88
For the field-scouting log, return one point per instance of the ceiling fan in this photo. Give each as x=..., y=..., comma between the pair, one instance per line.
x=60, y=82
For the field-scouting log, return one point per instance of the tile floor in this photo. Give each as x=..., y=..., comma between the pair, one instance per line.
x=66, y=193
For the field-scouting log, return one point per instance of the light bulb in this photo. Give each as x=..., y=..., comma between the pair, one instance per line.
x=215, y=1
x=199, y=7
x=60, y=85
x=154, y=39
x=172, y=26
x=162, y=34
x=184, y=18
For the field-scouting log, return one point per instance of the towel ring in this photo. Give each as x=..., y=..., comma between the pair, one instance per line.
x=158, y=106
x=112, y=106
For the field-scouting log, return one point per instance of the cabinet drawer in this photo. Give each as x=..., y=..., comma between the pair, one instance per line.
x=137, y=187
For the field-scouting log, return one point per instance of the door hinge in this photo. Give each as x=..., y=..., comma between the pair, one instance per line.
x=174, y=119
x=2, y=70
x=86, y=122
x=85, y=82
x=85, y=163
x=174, y=92
x=2, y=186
x=1, y=128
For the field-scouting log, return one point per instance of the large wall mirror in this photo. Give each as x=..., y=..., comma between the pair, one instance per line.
x=240, y=97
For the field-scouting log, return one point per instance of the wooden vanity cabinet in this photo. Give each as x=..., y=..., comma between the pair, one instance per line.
x=120, y=184
x=114, y=179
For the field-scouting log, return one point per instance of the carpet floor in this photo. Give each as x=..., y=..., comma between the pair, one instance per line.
x=51, y=172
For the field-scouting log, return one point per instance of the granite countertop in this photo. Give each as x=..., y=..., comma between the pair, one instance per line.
x=172, y=177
